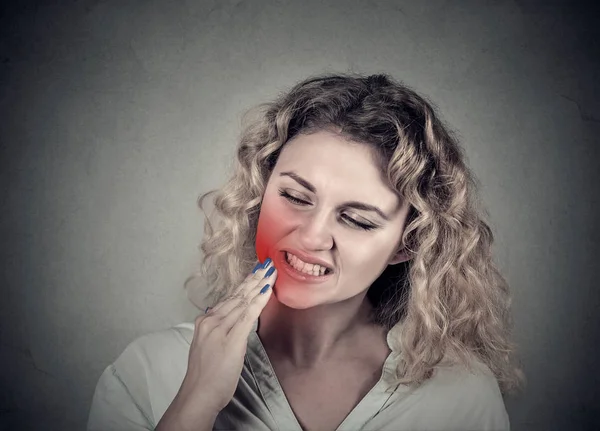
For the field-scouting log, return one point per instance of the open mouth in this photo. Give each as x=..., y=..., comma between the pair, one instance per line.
x=304, y=268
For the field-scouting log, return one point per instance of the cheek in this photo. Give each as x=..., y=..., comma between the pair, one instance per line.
x=370, y=256
x=271, y=228
x=264, y=239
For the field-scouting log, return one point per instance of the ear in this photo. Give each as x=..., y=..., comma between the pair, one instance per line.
x=399, y=257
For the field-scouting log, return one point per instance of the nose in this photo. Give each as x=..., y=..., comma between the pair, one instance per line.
x=315, y=232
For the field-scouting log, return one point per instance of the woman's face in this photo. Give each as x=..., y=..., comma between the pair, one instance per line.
x=326, y=226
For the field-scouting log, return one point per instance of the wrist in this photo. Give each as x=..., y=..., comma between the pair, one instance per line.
x=183, y=415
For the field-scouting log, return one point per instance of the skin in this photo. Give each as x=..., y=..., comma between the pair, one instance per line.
x=310, y=325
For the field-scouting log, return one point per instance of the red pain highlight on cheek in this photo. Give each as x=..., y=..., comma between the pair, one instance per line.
x=266, y=236
x=261, y=247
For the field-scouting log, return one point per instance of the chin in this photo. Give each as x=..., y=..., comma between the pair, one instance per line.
x=294, y=299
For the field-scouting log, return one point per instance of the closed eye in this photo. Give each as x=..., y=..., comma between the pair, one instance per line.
x=292, y=198
x=297, y=201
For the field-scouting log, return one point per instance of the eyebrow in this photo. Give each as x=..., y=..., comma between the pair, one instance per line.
x=352, y=204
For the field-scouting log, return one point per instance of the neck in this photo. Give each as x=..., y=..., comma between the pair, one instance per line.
x=318, y=335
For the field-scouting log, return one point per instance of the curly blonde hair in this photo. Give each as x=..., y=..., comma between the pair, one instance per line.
x=449, y=303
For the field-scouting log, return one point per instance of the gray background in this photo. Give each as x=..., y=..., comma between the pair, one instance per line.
x=117, y=115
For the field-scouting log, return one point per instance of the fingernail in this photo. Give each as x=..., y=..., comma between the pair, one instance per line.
x=267, y=262
x=264, y=289
x=257, y=267
x=270, y=271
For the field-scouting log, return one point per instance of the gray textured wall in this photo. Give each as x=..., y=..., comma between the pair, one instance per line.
x=116, y=115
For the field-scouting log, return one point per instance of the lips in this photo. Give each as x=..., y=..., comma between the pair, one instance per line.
x=309, y=259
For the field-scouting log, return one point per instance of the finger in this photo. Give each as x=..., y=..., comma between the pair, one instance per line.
x=251, y=279
x=233, y=309
x=244, y=323
x=255, y=276
x=212, y=316
x=230, y=302
x=242, y=299
x=245, y=306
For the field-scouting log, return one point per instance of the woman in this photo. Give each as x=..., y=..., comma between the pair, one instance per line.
x=377, y=307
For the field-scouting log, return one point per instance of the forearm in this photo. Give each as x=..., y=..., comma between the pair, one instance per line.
x=174, y=424
x=181, y=418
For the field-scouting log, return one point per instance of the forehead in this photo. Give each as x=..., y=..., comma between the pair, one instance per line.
x=336, y=165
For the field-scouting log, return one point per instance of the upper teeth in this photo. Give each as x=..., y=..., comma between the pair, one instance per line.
x=301, y=266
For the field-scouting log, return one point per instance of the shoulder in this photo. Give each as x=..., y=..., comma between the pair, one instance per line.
x=160, y=354
x=159, y=345
x=138, y=386
x=153, y=349
x=470, y=397
x=477, y=378
x=152, y=366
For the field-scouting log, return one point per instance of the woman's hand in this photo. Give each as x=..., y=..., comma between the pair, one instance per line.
x=217, y=354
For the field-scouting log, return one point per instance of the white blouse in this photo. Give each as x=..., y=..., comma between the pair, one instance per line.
x=135, y=391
